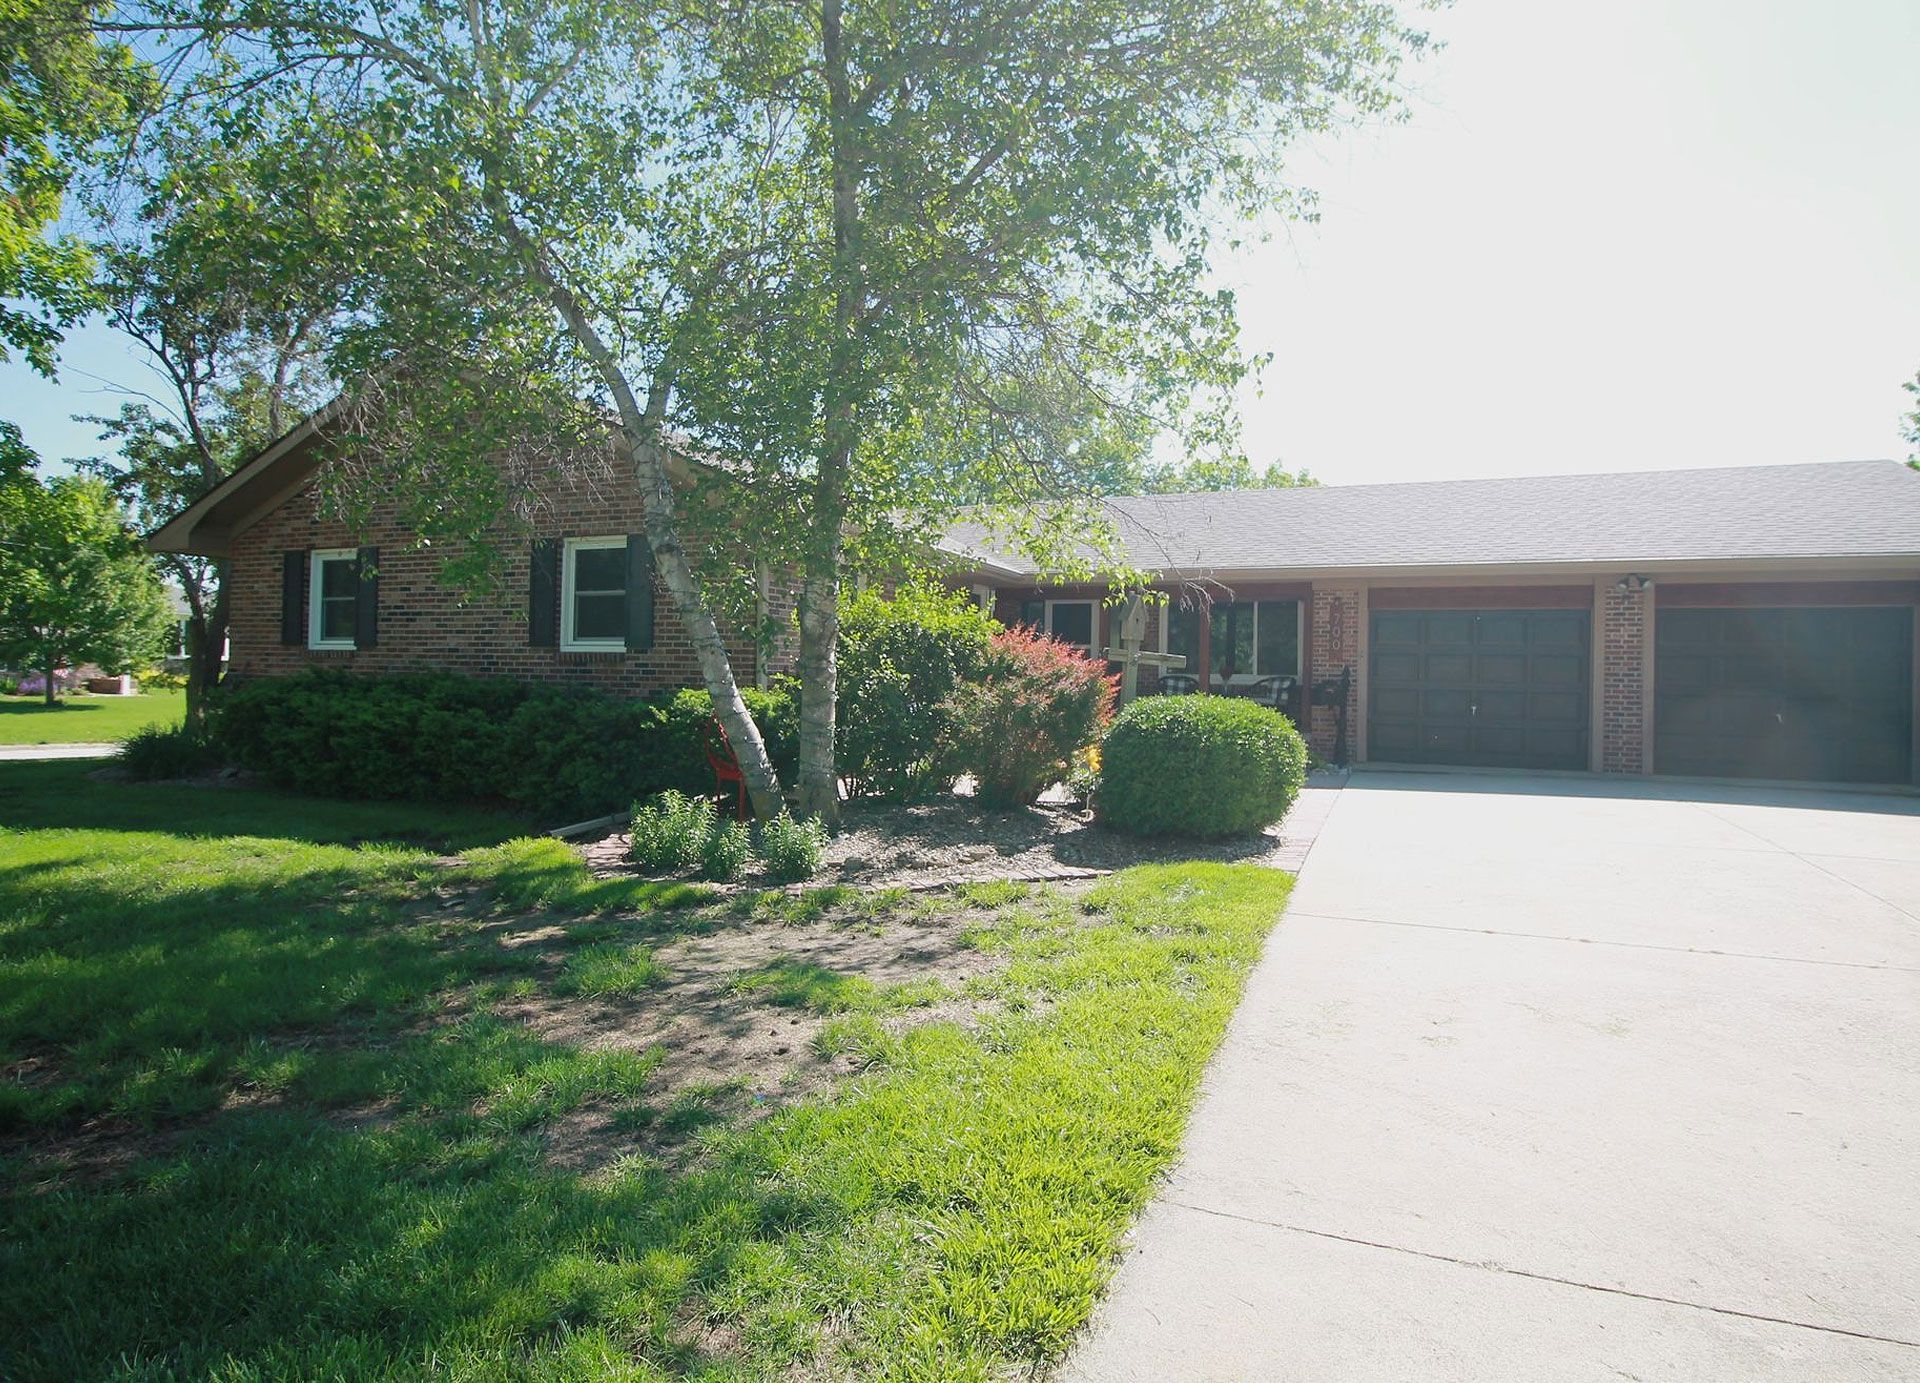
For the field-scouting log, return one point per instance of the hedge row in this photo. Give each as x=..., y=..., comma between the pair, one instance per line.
x=556, y=752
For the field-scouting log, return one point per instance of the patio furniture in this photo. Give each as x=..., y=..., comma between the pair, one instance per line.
x=1178, y=684
x=1276, y=692
x=726, y=767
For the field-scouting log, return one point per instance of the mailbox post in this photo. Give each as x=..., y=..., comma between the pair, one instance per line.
x=1129, y=654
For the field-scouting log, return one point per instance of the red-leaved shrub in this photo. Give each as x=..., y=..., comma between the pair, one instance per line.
x=1036, y=702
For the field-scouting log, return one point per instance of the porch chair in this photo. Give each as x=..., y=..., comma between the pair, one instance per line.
x=726, y=768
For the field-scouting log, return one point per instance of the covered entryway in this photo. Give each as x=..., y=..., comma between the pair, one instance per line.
x=1483, y=688
x=1808, y=693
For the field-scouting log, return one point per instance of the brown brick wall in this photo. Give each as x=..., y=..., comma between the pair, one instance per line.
x=427, y=625
x=1335, y=639
x=1621, y=646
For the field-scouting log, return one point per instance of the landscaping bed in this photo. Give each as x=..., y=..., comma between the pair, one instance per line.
x=953, y=840
x=298, y=1089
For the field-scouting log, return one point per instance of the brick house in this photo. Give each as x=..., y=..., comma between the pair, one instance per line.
x=1751, y=621
x=1743, y=622
x=580, y=602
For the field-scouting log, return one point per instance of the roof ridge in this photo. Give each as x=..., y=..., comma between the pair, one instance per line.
x=1515, y=479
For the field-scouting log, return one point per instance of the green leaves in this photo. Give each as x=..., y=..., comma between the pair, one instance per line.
x=75, y=587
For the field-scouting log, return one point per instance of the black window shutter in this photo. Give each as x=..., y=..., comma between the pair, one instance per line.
x=293, y=597
x=543, y=594
x=366, y=603
x=639, y=594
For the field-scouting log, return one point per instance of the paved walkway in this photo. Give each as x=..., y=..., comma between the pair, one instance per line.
x=1556, y=1079
x=57, y=751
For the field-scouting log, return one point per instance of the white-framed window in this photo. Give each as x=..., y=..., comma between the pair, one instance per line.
x=1074, y=622
x=593, y=595
x=1250, y=639
x=333, y=598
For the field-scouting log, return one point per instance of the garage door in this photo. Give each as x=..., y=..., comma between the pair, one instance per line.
x=1823, y=694
x=1489, y=688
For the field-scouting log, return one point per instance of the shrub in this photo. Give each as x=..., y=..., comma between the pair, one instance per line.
x=900, y=661
x=167, y=751
x=725, y=851
x=670, y=832
x=556, y=752
x=1198, y=766
x=159, y=679
x=791, y=847
x=1036, y=703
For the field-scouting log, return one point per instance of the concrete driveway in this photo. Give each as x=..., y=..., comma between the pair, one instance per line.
x=1549, y=1078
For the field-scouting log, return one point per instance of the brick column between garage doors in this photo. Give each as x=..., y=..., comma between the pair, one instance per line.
x=1626, y=619
x=1336, y=638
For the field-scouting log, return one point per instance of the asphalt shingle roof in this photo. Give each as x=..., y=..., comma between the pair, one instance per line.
x=1831, y=509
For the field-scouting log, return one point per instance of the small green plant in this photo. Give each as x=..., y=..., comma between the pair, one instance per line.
x=167, y=751
x=792, y=847
x=670, y=833
x=725, y=851
x=1198, y=766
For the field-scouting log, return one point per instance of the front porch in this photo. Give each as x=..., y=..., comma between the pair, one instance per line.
x=1285, y=644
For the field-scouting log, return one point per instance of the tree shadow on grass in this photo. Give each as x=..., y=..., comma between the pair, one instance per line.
x=283, y=1241
x=42, y=795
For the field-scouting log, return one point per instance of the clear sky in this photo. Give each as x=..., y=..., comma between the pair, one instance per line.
x=1613, y=236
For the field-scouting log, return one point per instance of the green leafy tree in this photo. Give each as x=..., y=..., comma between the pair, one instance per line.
x=75, y=585
x=1910, y=424
x=207, y=275
x=61, y=91
x=16, y=457
x=875, y=260
x=1234, y=472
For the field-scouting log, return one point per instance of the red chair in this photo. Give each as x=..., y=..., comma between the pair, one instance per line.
x=726, y=768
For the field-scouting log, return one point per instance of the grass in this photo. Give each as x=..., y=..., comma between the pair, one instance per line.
x=262, y=1118
x=80, y=719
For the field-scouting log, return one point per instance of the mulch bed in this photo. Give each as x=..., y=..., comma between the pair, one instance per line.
x=953, y=841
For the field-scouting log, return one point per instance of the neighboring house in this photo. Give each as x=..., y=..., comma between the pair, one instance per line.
x=1751, y=622
x=580, y=602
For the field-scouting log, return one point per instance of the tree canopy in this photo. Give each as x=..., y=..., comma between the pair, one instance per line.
x=1910, y=424
x=871, y=261
x=61, y=91
x=200, y=267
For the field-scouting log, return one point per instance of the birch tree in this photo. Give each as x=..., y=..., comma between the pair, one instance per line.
x=867, y=261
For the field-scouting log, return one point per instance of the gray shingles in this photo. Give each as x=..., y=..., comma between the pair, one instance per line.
x=1833, y=509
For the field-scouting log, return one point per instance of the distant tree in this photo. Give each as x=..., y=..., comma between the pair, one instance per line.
x=16, y=457
x=75, y=585
x=1910, y=424
x=61, y=91
x=1226, y=473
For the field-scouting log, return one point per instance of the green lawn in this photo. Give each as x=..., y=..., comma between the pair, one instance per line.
x=79, y=718
x=269, y=1110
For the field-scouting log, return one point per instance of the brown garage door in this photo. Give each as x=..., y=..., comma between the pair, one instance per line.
x=1485, y=688
x=1823, y=694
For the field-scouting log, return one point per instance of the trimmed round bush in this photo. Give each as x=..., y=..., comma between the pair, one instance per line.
x=1198, y=766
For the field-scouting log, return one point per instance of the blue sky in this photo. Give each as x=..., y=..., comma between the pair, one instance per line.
x=1613, y=236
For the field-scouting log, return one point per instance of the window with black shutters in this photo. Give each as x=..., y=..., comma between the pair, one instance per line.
x=333, y=598
x=593, y=604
